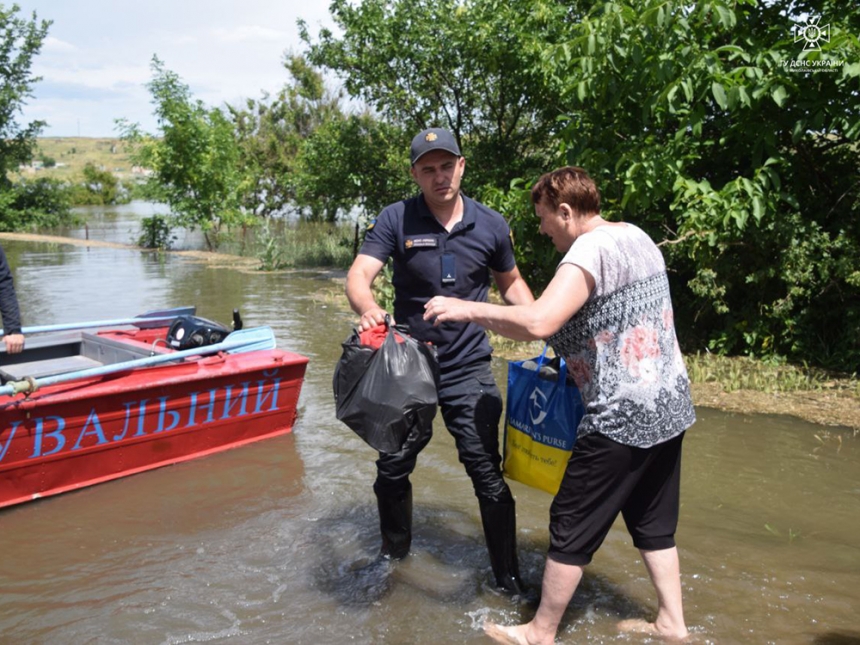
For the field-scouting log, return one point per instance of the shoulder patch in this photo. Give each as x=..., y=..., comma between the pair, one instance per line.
x=372, y=224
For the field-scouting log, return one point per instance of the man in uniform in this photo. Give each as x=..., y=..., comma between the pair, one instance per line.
x=444, y=243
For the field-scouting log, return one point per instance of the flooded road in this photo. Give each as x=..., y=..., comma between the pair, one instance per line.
x=267, y=543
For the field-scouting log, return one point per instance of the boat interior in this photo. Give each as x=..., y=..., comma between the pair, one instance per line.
x=62, y=353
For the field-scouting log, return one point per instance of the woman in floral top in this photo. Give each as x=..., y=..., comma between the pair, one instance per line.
x=608, y=312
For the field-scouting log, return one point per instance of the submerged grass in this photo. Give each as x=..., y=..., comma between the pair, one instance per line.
x=742, y=373
x=308, y=244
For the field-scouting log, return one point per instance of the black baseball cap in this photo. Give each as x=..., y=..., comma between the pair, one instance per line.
x=433, y=139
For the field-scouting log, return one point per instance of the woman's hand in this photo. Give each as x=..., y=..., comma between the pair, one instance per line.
x=440, y=309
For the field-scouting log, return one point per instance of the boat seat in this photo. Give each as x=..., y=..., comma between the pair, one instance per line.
x=47, y=367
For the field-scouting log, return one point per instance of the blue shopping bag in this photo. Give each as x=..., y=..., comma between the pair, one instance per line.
x=542, y=414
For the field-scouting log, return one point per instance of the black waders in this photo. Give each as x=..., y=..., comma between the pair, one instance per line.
x=500, y=531
x=395, y=521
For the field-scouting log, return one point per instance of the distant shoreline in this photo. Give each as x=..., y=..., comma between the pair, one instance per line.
x=65, y=158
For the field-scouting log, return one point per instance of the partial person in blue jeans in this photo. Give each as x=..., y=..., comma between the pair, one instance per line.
x=12, y=336
x=442, y=242
x=608, y=312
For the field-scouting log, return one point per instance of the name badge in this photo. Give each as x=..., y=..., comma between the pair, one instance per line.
x=449, y=269
x=419, y=242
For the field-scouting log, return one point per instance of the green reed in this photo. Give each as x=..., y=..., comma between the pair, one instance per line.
x=306, y=244
x=742, y=373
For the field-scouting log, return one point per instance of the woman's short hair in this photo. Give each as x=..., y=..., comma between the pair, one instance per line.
x=569, y=185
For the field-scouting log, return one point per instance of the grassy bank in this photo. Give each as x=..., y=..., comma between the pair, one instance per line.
x=71, y=154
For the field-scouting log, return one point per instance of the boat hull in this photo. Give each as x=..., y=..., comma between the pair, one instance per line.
x=81, y=433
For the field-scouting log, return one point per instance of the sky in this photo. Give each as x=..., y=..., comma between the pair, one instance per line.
x=95, y=61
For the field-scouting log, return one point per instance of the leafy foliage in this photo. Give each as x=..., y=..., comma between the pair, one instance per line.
x=473, y=67
x=194, y=161
x=32, y=205
x=698, y=126
x=271, y=133
x=98, y=187
x=20, y=41
x=354, y=162
x=707, y=123
x=156, y=233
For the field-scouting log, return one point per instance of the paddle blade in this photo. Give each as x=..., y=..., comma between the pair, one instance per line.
x=250, y=340
x=161, y=316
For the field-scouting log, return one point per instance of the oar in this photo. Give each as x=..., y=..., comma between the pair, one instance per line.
x=244, y=340
x=148, y=320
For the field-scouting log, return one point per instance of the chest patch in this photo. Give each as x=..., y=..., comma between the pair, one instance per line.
x=419, y=242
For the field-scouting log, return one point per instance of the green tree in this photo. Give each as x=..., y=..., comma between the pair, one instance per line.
x=20, y=41
x=271, y=132
x=356, y=163
x=710, y=126
x=715, y=125
x=195, y=160
x=32, y=205
x=98, y=187
x=471, y=66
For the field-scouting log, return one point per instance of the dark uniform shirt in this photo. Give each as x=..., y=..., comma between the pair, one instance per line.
x=430, y=261
x=8, y=300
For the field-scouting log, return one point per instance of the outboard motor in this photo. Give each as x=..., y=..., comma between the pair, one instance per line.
x=190, y=332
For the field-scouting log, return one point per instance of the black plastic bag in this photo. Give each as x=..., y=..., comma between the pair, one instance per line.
x=387, y=396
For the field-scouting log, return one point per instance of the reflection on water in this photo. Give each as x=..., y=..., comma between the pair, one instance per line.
x=276, y=541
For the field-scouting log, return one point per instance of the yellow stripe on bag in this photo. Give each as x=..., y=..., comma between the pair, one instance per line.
x=533, y=463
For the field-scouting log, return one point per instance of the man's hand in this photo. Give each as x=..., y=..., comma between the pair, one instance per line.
x=14, y=343
x=373, y=317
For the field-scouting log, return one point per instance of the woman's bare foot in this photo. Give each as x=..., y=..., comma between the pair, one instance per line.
x=637, y=626
x=640, y=626
x=514, y=635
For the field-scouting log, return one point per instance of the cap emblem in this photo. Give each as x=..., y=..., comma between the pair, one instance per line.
x=431, y=136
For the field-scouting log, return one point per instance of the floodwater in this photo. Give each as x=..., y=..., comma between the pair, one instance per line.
x=267, y=543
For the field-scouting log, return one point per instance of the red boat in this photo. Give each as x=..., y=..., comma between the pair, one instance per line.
x=79, y=408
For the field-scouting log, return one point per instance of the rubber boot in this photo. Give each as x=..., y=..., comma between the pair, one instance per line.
x=395, y=521
x=500, y=531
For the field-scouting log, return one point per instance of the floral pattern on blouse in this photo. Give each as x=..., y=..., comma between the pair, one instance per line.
x=621, y=348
